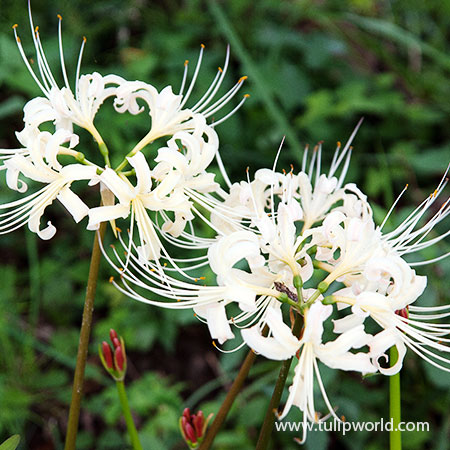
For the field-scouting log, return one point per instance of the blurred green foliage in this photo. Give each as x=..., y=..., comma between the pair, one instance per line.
x=314, y=69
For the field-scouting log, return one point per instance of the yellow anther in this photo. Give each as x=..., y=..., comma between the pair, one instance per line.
x=152, y=270
x=18, y=39
x=186, y=62
x=284, y=172
x=121, y=269
x=112, y=246
x=196, y=279
x=125, y=253
x=202, y=45
x=339, y=144
x=118, y=230
x=242, y=79
x=111, y=279
x=220, y=69
x=178, y=299
x=15, y=26
x=36, y=29
x=343, y=418
x=292, y=167
x=202, y=278
x=214, y=344
x=165, y=264
x=59, y=16
x=407, y=185
x=246, y=95
x=435, y=193
x=247, y=169
x=84, y=39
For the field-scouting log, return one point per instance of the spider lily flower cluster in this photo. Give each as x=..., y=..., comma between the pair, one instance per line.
x=305, y=244
x=286, y=244
x=139, y=185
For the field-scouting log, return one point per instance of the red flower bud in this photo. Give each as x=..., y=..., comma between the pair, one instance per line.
x=187, y=414
x=116, y=342
x=107, y=354
x=198, y=420
x=190, y=433
x=113, y=334
x=119, y=358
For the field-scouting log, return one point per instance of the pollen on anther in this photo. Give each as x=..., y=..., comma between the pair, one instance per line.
x=242, y=79
x=84, y=39
x=36, y=29
x=284, y=172
x=214, y=344
x=18, y=39
x=118, y=230
x=220, y=69
x=202, y=45
x=111, y=279
x=246, y=95
x=59, y=16
x=202, y=278
x=165, y=264
x=121, y=269
x=247, y=169
x=15, y=26
x=186, y=62
x=152, y=270
x=343, y=418
x=339, y=144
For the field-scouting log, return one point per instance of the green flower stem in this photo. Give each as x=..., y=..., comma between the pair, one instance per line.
x=269, y=419
x=228, y=402
x=132, y=432
x=77, y=389
x=395, y=436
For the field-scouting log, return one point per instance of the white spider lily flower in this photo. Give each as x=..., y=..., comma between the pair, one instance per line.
x=61, y=105
x=345, y=244
x=317, y=192
x=279, y=239
x=136, y=200
x=29, y=210
x=335, y=354
x=42, y=145
x=167, y=110
x=415, y=331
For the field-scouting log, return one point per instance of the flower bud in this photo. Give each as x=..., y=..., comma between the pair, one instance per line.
x=114, y=361
x=107, y=354
x=193, y=427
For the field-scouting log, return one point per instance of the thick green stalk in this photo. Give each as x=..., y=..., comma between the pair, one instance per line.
x=269, y=419
x=132, y=432
x=395, y=436
x=228, y=402
x=78, y=379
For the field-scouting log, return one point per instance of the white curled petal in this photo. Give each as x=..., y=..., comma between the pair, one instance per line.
x=76, y=207
x=106, y=213
x=143, y=173
x=266, y=346
x=384, y=341
x=217, y=320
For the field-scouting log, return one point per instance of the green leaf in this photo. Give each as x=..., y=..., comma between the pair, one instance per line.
x=11, y=443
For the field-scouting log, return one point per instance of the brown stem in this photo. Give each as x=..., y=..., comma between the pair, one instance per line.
x=269, y=419
x=228, y=402
x=78, y=379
